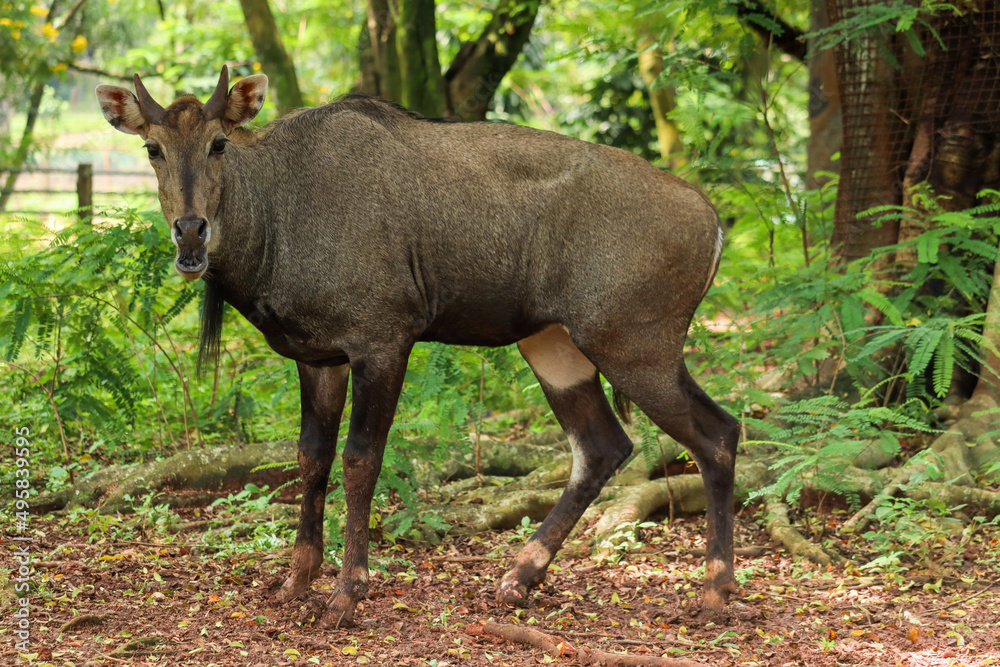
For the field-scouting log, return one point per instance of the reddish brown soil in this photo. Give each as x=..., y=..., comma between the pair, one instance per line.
x=204, y=610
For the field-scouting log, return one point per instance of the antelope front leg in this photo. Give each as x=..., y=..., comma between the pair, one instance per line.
x=377, y=380
x=323, y=391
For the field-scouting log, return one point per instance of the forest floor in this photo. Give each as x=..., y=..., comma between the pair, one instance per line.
x=172, y=603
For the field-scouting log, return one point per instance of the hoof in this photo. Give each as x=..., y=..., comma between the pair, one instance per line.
x=512, y=592
x=339, y=613
x=313, y=610
x=714, y=598
x=293, y=588
x=704, y=616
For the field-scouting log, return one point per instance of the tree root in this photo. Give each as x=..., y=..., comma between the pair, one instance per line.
x=529, y=476
x=962, y=453
x=556, y=647
x=497, y=457
x=953, y=494
x=781, y=530
x=965, y=450
x=634, y=503
x=492, y=508
x=139, y=646
x=195, y=469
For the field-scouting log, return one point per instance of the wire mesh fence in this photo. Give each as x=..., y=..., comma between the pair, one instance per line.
x=918, y=105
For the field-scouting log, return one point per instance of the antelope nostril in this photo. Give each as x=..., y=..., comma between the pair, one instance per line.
x=191, y=230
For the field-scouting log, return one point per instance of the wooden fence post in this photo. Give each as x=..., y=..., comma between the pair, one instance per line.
x=85, y=190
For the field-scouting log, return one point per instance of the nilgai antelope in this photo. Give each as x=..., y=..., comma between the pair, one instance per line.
x=350, y=231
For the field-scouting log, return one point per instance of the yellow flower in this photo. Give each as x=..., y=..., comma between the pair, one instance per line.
x=79, y=43
x=39, y=11
x=16, y=34
x=6, y=21
x=256, y=67
x=59, y=67
x=49, y=32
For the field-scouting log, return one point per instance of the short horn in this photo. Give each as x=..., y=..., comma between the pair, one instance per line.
x=215, y=107
x=151, y=109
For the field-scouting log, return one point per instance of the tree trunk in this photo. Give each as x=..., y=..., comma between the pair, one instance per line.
x=989, y=375
x=379, y=60
x=774, y=30
x=24, y=147
x=422, y=85
x=662, y=100
x=399, y=58
x=825, y=123
x=275, y=61
x=480, y=66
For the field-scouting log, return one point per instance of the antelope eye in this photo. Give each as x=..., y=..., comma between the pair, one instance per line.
x=219, y=146
x=153, y=150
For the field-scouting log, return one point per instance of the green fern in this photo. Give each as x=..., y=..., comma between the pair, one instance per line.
x=649, y=443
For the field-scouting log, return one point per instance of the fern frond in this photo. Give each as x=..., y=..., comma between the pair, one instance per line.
x=944, y=366
x=925, y=343
x=22, y=319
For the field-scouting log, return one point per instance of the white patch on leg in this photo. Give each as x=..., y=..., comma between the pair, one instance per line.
x=580, y=470
x=714, y=567
x=555, y=359
x=535, y=554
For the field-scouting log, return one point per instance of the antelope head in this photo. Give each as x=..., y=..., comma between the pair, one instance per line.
x=186, y=143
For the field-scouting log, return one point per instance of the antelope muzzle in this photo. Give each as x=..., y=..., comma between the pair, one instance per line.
x=191, y=234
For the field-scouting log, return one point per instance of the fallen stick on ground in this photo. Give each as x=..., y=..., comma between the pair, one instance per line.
x=59, y=564
x=743, y=552
x=459, y=559
x=859, y=521
x=82, y=621
x=557, y=647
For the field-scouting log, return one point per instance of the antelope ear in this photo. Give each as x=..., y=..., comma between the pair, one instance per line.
x=245, y=99
x=121, y=108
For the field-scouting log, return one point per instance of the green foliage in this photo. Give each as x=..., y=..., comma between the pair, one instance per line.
x=40, y=42
x=649, y=443
x=625, y=540
x=447, y=393
x=931, y=313
x=524, y=530
x=97, y=336
x=871, y=20
x=251, y=499
x=910, y=531
x=75, y=312
x=101, y=528
x=616, y=112
x=818, y=439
